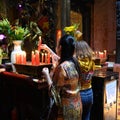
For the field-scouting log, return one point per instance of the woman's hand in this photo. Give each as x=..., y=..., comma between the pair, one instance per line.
x=45, y=47
x=45, y=71
x=55, y=57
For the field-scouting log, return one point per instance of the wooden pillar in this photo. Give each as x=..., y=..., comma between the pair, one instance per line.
x=68, y=12
x=65, y=13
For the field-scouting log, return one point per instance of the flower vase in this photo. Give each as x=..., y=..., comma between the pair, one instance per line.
x=17, y=50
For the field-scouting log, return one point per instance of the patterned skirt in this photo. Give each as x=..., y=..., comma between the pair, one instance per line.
x=71, y=109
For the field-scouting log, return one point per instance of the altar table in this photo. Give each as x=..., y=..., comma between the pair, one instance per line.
x=22, y=98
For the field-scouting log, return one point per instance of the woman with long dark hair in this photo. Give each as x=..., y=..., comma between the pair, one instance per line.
x=65, y=79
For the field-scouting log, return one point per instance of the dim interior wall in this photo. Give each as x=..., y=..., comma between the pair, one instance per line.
x=3, y=12
x=105, y=25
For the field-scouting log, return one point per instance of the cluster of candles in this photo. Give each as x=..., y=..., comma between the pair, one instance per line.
x=101, y=55
x=20, y=57
x=37, y=57
x=40, y=57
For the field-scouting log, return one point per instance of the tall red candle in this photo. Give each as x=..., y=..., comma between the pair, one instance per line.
x=39, y=43
x=33, y=58
x=48, y=57
x=37, y=57
x=24, y=57
x=105, y=53
x=42, y=57
x=101, y=55
x=17, y=58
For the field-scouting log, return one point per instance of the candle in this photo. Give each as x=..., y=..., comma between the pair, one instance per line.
x=37, y=57
x=17, y=58
x=42, y=57
x=105, y=53
x=96, y=54
x=46, y=57
x=101, y=55
x=39, y=43
x=20, y=58
x=33, y=58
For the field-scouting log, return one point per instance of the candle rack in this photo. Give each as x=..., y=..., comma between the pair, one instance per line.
x=34, y=71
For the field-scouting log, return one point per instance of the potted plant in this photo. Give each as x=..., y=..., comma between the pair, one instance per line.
x=18, y=33
x=4, y=26
x=13, y=32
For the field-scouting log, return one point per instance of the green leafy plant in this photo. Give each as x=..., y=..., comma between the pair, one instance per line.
x=5, y=26
x=13, y=32
x=18, y=33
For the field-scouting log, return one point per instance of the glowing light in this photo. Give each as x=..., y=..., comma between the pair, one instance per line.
x=20, y=5
x=2, y=36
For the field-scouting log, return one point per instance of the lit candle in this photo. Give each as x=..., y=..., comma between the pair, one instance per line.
x=17, y=58
x=37, y=57
x=105, y=53
x=33, y=58
x=39, y=43
x=46, y=57
x=42, y=57
x=101, y=54
x=20, y=58
x=96, y=54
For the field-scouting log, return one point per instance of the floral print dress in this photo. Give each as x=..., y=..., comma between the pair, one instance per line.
x=66, y=81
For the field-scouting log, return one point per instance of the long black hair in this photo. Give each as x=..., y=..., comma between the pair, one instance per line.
x=67, y=43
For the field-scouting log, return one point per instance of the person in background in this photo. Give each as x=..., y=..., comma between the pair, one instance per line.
x=66, y=80
x=84, y=56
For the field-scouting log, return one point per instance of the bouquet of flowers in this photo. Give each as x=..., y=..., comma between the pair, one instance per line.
x=13, y=32
x=72, y=30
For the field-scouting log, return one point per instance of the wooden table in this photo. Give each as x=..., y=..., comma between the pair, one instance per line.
x=21, y=98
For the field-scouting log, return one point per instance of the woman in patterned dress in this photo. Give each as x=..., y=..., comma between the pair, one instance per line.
x=66, y=80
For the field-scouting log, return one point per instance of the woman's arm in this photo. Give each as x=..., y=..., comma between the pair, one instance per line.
x=45, y=71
